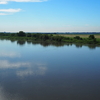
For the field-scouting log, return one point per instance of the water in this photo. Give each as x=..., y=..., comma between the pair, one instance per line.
x=31, y=71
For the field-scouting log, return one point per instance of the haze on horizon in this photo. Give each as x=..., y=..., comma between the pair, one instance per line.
x=50, y=15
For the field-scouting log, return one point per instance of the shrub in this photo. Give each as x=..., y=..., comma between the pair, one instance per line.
x=78, y=38
x=13, y=34
x=21, y=33
x=91, y=37
x=28, y=34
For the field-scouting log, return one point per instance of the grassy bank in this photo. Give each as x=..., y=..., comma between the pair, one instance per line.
x=80, y=35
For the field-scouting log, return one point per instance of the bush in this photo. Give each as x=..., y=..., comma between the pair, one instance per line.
x=13, y=34
x=21, y=33
x=57, y=38
x=28, y=34
x=91, y=37
x=1, y=34
x=78, y=38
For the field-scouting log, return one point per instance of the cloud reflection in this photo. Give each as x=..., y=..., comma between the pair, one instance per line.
x=4, y=64
x=28, y=68
x=21, y=69
x=2, y=94
x=7, y=96
x=9, y=54
x=36, y=69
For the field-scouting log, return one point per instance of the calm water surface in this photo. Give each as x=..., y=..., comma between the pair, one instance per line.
x=35, y=72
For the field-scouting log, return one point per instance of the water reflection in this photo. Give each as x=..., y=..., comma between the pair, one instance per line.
x=27, y=68
x=57, y=44
x=11, y=54
x=92, y=46
x=35, y=69
x=33, y=72
x=4, y=95
x=19, y=80
x=46, y=44
x=29, y=42
x=78, y=45
x=5, y=64
x=21, y=42
x=13, y=41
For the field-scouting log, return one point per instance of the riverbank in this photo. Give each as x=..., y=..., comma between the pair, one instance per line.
x=52, y=38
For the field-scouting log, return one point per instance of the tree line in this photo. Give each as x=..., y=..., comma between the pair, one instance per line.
x=50, y=37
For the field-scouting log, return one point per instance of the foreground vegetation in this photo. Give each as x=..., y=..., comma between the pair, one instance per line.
x=50, y=38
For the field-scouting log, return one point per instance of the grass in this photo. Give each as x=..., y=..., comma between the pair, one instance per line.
x=81, y=35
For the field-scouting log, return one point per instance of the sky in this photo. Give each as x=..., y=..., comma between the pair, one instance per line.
x=50, y=15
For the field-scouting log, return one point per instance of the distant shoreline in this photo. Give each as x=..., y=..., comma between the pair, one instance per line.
x=59, y=32
x=67, y=38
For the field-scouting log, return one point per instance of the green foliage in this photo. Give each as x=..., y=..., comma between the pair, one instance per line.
x=6, y=34
x=48, y=38
x=1, y=34
x=57, y=38
x=13, y=34
x=36, y=35
x=78, y=38
x=67, y=38
x=44, y=37
x=51, y=35
x=21, y=33
x=91, y=37
x=28, y=34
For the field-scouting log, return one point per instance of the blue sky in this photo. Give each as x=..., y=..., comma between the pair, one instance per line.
x=50, y=15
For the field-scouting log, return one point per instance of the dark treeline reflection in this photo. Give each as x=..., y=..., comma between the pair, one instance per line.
x=45, y=44
x=48, y=43
x=57, y=44
x=21, y=42
x=12, y=40
x=91, y=46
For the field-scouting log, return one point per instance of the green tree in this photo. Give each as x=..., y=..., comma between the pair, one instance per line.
x=78, y=38
x=28, y=34
x=13, y=34
x=21, y=33
x=91, y=37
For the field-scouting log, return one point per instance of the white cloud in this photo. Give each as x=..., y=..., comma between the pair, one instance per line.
x=3, y=2
x=6, y=1
x=3, y=14
x=8, y=11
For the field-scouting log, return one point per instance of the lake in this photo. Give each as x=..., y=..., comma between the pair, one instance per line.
x=33, y=71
